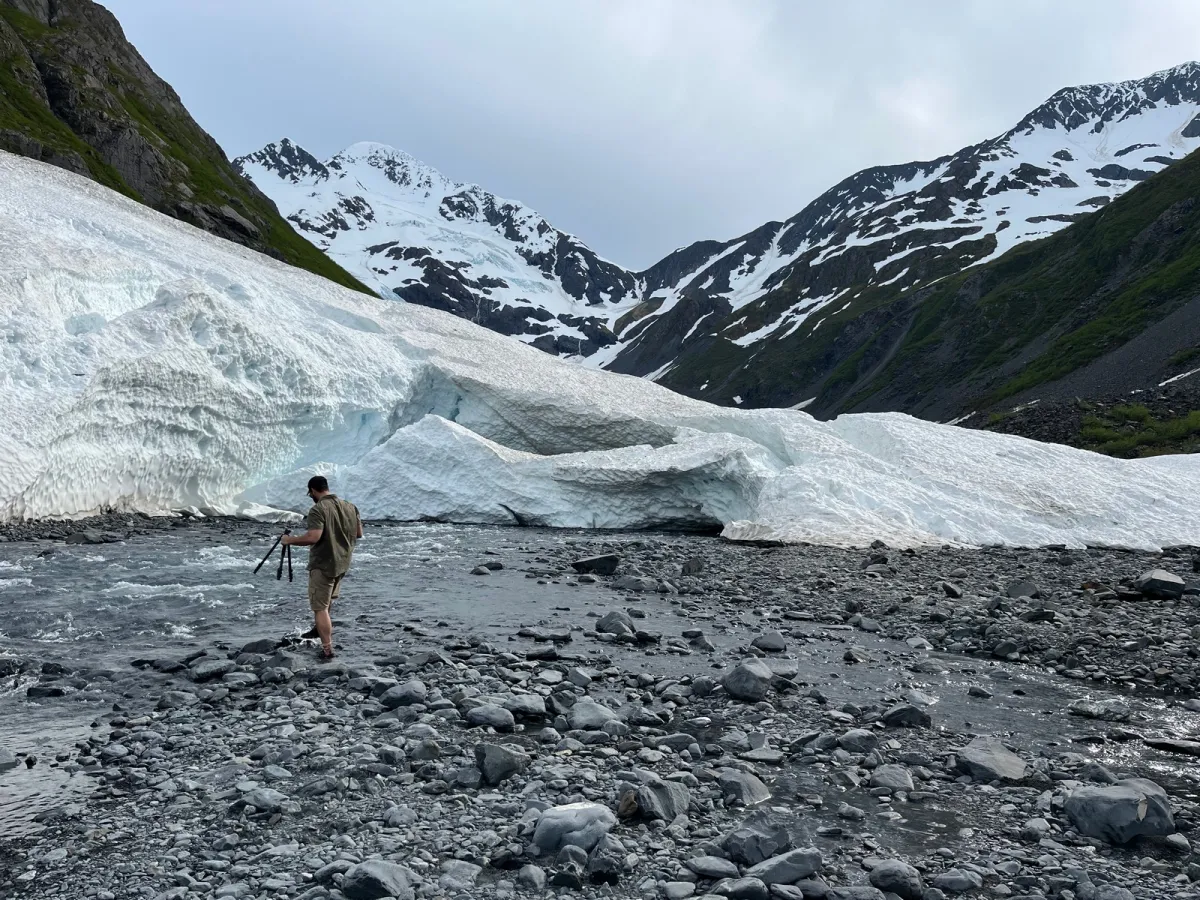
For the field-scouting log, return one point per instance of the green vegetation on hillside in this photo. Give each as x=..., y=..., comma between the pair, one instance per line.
x=1131, y=431
x=73, y=92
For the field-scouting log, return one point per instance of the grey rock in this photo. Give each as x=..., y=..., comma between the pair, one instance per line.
x=659, y=799
x=588, y=715
x=8, y=760
x=1017, y=589
x=606, y=861
x=1159, y=583
x=905, y=715
x=376, y=879
x=211, y=669
x=712, y=867
x=526, y=707
x=761, y=836
x=858, y=740
x=597, y=565
x=404, y=695
x=986, y=759
x=573, y=825
x=1118, y=813
x=788, y=867
x=615, y=622
x=266, y=800
x=957, y=881
x=532, y=877
x=893, y=776
x=894, y=876
x=742, y=787
x=488, y=715
x=745, y=889
x=771, y=642
x=1113, y=709
x=458, y=875
x=749, y=680
x=498, y=763
x=678, y=890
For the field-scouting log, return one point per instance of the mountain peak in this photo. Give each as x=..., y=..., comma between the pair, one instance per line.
x=286, y=159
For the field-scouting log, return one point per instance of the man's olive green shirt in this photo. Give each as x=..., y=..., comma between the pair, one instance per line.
x=339, y=521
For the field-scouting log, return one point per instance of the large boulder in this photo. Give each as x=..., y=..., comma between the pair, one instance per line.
x=788, y=867
x=986, y=759
x=905, y=715
x=1118, y=813
x=498, y=763
x=892, y=775
x=376, y=879
x=597, y=565
x=744, y=788
x=659, y=799
x=761, y=836
x=749, y=680
x=588, y=715
x=615, y=622
x=406, y=694
x=574, y=825
x=894, y=876
x=488, y=715
x=1159, y=583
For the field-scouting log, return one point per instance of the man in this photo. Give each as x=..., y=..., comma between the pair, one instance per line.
x=333, y=527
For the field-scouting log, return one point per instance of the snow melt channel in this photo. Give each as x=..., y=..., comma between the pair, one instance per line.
x=146, y=365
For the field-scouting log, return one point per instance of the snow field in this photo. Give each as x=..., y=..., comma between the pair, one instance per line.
x=148, y=366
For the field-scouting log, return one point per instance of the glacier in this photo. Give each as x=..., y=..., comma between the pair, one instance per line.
x=146, y=365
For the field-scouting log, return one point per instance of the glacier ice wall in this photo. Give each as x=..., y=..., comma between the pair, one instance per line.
x=146, y=365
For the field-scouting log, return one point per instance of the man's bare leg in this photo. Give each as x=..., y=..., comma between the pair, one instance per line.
x=324, y=626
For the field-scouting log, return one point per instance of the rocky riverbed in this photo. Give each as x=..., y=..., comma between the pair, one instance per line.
x=707, y=720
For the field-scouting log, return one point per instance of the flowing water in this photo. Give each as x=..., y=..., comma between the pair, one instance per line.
x=94, y=609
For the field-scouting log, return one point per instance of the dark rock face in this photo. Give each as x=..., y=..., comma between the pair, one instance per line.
x=83, y=99
x=1120, y=812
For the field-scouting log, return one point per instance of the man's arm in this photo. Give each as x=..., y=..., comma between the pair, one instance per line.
x=307, y=539
x=358, y=518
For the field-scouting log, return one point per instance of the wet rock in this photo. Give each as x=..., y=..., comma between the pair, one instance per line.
x=263, y=646
x=1111, y=710
x=745, y=889
x=405, y=694
x=905, y=715
x=893, y=776
x=597, y=565
x=987, y=759
x=1187, y=748
x=573, y=825
x=526, y=707
x=499, y=762
x=712, y=867
x=771, y=642
x=8, y=760
x=615, y=622
x=588, y=715
x=211, y=669
x=606, y=861
x=788, y=867
x=1118, y=813
x=894, y=876
x=1159, y=583
x=458, y=875
x=1018, y=589
x=376, y=879
x=749, y=680
x=488, y=715
x=858, y=740
x=659, y=799
x=265, y=800
x=957, y=881
x=760, y=837
x=743, y=788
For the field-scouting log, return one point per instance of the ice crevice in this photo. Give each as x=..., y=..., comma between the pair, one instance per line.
x=145, y=365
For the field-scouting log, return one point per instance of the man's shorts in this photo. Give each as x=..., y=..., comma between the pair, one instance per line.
x=322, y=590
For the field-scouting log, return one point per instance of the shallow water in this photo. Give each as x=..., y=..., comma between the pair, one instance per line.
x=96, y=608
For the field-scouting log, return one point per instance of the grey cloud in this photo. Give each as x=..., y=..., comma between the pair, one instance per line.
x=643, y=126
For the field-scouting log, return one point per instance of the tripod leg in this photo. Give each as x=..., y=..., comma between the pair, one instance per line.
x=289, y=549
x=282, y=553
x=269, y=552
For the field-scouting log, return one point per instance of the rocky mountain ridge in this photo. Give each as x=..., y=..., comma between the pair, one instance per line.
x=700, y=319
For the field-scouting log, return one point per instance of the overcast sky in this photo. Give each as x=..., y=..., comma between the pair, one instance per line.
x=644, y=125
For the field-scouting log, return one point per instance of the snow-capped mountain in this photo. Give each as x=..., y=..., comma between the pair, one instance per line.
x=696, y=319
x=413, y=234
x=899, y=227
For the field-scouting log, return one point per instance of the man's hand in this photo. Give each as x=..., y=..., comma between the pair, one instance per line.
x=307, y=539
